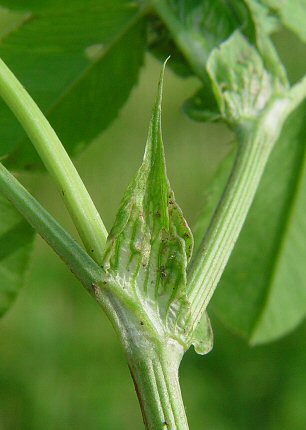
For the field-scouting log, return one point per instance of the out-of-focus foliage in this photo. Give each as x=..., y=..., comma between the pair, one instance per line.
x=292, y=14
x=64, y=53
x=207, y=23
x=16, y=237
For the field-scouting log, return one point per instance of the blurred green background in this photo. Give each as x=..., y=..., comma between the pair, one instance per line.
x=61, y=366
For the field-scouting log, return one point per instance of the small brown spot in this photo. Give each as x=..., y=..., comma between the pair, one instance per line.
x=163, y=272
x=96, y=289
x=223, y=86
x=29, y=167
x=141, y=323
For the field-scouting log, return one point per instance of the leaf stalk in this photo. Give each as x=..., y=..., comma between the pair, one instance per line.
x=80, y=206
x=78, y=261
x=256, y=139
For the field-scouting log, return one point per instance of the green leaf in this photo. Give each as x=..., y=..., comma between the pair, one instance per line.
x=203, y=336
x=46, y=5
x=191, y=30
x=201, y=25
x=257, y=27
x=240, y=81
x=292, y=14
x=16, y=238
x=210, y=22
x=161, y=45
x=202, y=107
x=262, y=293
x=77, y=63
x=150, y=245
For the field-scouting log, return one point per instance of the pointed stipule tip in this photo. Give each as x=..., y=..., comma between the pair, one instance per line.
x=166, y=60
x=164, y=66
x=160, y=83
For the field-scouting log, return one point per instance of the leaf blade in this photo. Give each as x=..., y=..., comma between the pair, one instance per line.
x=87, y=45
x=288, y=270
x=292, y=14
x=16, y=240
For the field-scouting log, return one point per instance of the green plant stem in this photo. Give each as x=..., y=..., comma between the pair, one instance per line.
x=153, y=360
x=78, y=261
x=158, y=390
x=82, y=210
x=256, y=139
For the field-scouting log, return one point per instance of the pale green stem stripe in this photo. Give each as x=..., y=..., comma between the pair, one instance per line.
x=81, y=208
x=256, y=140
x=78, y=261
x=158, y=390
